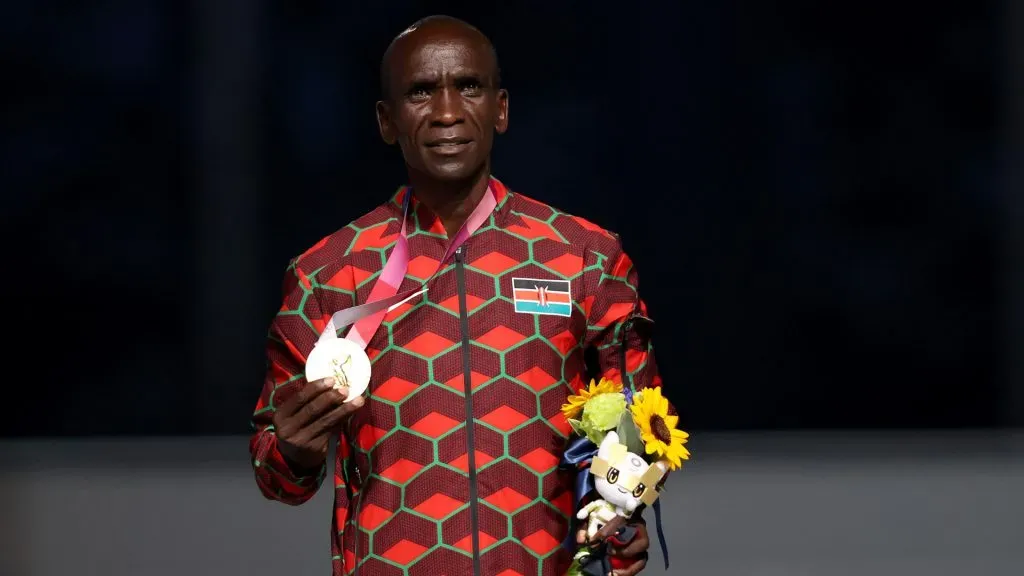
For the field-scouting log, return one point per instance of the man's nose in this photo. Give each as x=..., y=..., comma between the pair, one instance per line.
x=448, y=107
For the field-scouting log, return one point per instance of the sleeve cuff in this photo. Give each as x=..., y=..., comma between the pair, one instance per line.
x=273, y=459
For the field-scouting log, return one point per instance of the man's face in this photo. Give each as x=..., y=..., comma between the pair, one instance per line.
x=444, y=106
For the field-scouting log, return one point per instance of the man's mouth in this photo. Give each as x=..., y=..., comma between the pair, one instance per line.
x=452, y=142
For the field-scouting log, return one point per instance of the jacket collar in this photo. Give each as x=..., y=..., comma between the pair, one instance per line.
x=422, y=219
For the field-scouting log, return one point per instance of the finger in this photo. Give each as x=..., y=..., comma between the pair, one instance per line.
x=323, y=427
x=305, y=395
x=581, y=536
x=319, y=406
x=609, y=529
x=631, y=570
x=636, y=547
x=333, y=417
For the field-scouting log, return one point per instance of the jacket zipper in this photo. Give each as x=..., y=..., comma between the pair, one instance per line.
x=468, y=382
x=355, y=518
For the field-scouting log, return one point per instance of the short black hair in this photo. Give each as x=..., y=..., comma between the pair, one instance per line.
x=385, y=68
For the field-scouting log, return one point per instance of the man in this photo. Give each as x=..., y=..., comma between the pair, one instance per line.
x=499, y=340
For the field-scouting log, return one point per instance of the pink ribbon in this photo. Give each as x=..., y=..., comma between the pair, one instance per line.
x=384, y=295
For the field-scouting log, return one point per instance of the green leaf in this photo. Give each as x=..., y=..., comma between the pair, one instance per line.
x=577, y=426
x=629, y=434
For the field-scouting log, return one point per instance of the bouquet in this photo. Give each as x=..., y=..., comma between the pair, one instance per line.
x=622, y=447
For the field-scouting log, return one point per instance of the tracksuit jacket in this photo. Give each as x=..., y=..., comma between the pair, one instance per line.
x=451, y=466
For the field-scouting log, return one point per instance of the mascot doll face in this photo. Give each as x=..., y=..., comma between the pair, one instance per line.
x=624, y=479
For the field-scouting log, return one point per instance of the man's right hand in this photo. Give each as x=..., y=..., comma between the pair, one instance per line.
x=305, y=422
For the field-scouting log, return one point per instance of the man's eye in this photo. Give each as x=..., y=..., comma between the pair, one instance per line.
x=419, y=92
x=471, y=87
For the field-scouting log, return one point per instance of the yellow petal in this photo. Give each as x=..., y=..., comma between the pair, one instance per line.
x=663, y=406
x=672, y=457
x=671, y=421
x=650, y=396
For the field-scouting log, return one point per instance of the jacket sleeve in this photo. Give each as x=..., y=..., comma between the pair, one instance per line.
x=292, y=334
x=619, y=329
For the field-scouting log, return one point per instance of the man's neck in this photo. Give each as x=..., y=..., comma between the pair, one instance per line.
x=452, y=202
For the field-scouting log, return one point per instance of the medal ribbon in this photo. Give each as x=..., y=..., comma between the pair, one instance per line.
x=384, y=295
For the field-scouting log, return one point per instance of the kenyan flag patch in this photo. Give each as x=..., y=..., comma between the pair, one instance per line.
x=537, y=296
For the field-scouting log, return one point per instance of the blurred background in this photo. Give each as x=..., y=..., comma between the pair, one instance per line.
x=825, y=202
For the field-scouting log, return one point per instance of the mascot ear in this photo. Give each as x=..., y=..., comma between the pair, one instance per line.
x=663, y=467
x=656, y=473
x=604, y=451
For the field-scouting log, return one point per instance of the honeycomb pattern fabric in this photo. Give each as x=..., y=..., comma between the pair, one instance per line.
x=543, y=292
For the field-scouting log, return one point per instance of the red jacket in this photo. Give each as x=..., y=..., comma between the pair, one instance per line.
x=535, y=304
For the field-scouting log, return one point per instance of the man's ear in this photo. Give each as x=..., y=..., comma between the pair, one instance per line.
x=501, y=122
x=384, y=123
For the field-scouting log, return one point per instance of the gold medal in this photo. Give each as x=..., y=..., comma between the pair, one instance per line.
x=343, y=360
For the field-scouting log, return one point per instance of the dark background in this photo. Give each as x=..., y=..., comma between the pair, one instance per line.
x=823, y=199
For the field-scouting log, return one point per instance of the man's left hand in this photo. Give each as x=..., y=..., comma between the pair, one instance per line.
x=633, y=554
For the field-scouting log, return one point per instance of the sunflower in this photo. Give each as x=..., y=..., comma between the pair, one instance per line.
x=658, y=428
x=571, y=409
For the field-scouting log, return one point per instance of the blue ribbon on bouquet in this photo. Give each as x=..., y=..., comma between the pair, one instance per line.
x=578, y=455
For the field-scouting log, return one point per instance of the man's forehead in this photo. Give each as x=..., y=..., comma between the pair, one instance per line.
x=437, y=54
x=446, y=55
x=432, y=39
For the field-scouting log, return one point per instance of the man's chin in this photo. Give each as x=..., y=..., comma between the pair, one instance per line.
x=453, y=171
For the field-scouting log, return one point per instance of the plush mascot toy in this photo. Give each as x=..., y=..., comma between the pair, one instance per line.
x=625, y=445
